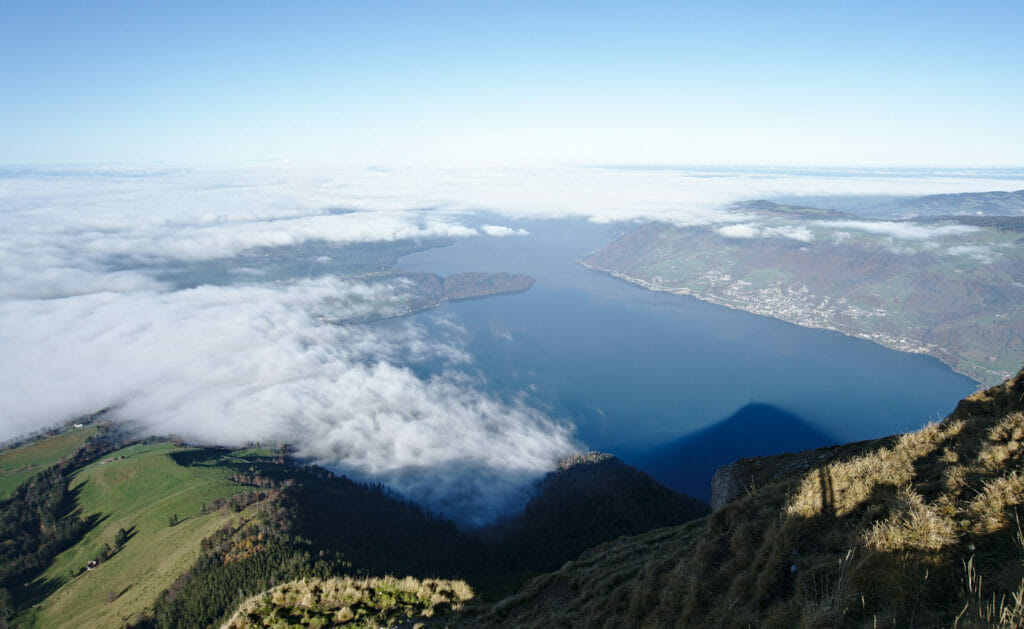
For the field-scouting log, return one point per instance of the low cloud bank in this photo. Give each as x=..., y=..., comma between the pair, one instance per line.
x=902, y=231
x=749, y=230
x=86, y=323
x=230, y=364
x=898, y=237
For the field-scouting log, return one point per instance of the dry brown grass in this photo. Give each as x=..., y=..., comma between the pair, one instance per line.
x=913, y=525
x=919, y=530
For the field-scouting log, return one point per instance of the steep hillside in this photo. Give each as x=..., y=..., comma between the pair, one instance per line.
x=317, y=525
x=591, y=499
x=915, y=530
x=159, y=534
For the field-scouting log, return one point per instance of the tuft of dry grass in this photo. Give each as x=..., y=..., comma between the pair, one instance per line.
x=913, y=525
x=990, y=509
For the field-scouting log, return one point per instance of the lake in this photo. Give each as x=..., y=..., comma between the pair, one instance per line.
x=632, y=368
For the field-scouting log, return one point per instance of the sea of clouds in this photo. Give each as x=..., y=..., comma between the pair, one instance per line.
x=87, y=323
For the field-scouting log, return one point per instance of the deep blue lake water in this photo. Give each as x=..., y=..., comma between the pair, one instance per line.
x=632, y=368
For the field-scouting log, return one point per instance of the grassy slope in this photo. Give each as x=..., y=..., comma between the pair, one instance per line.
x=915, y=530
x=139, y=493
x=20, y=464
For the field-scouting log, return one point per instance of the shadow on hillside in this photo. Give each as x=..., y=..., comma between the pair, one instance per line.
x=687, y=464
x=38, y=588
x=263, y=465
x=131, y=531
x=828, y=494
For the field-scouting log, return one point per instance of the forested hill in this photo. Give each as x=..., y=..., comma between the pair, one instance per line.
x=591, y=498
x=329, y=526
x=159, y=534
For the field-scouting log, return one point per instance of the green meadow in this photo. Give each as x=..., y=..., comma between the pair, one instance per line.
x=20, y=464
x=142, y=493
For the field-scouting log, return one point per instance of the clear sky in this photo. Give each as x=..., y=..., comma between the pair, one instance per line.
x=833, y=83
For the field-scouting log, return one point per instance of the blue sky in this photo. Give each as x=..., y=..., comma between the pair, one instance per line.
x=867, y=83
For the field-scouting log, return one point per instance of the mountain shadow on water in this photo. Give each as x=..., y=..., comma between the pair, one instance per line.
x=687, y=464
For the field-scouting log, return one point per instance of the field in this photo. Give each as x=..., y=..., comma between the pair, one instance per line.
x=139, y=493
x=20, y=464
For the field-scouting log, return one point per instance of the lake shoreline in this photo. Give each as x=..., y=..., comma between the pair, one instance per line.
x=904, y=345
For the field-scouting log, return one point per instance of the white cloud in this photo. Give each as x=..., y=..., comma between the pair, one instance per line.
x=748, y=230
x=793, y=232
x=901, y=230
x=841, y=238
x=981, y=253
x=501, y=230
x=22, y=282
x=225, y=239
x=740, y=230
x=281, y=199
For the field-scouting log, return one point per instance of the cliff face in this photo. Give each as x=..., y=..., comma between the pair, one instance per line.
x=920, y=529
